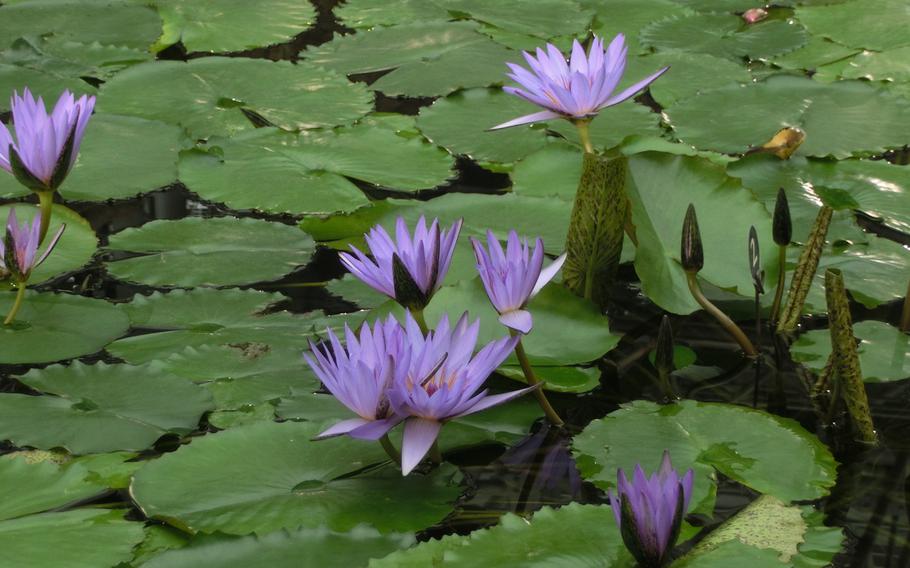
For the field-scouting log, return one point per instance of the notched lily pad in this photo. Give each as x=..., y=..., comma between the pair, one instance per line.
x=883, y=350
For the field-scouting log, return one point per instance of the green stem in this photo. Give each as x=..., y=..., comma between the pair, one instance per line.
x=905, y=315
x=390, y=449
x=46, y=203
x=781, y=282
x=435, y=454
x=421, y=322
x=722, y=318
x=532, y=379
x=585, y=135
x=20, y=295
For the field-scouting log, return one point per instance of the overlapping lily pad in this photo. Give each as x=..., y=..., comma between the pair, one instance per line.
x=689, y=74
x=882, y=350
x=224, y=96
x=196, y=251
x=51, y=327
x=863, y=24
x=68, y=62
x=366, y=14
x=286, y=481
x=769, y=454
x=49, y=86
x=548, y=18
x=30, y=487
x=840, y=119
x=100, y=408
x=628, y=17
x=232, y=25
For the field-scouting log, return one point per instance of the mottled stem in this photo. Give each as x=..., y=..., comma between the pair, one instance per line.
x=584, y=134
x=722, y=318
x=46, y=205
x=390, y=449
x=17, y=303
x=532, y=380
x=435, y=454
x=781, y=282
x=905, y=315
x=421, y=321
x=801, y=282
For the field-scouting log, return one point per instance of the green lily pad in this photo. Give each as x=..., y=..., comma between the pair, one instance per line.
x=815, y=54
x=689, y=74
x=356, y=292
x=873, y=272
x=198, y=252
x=882, y=351
x=108, y=22
x=871, y=24
x=243, y=393
x=891, y=66
x=724, y=35
x=628, y=17
x=423, y=59
x=731, y=119
x=286, y=481
x=73, y=251
x=574, y=535
x=121, y=156
x=51, y=327
x=367, y=14
x=767, y=453
x=69, y=61
x=217, y=95
x=29, y=487
x=100, y=408
x=559, y=379
x=286, y=549
x=231, y=25
x=548, y=18
x=41, y=83
x=85, y=538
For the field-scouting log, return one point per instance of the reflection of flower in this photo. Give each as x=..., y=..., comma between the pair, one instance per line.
x=424, y=258
x=19, y=248
x=443, y=381
x=513, y=276
x=359, y=374
x=545, y=460
x=46, y=145
x=649, y=511
x=577, y=89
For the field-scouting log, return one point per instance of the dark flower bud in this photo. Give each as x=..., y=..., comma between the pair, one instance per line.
x=663, y=354
x=758, y=275
x=782, y=225
x=691, y=254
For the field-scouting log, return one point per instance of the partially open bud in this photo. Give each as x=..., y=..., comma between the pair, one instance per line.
x=691, y=253
x=754, y=15
x=758, y=275
x=782, y=226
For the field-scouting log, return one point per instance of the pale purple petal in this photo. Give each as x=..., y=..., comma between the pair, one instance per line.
x=519, y=320
x=528, y=119
x=418, y=438
x=342, y=428
x=548, y=273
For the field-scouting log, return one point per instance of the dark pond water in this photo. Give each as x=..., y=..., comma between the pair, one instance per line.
x=872, y=496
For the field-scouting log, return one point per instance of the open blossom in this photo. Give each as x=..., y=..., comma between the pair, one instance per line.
x=513, y=276
x=410, y=268
x=650, y=511
x=577, y=89
x=360, y=373
x=46, y=145
x=444, y=381
x=19, y=248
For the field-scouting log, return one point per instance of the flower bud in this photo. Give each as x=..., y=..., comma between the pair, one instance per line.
x=782, y=226
x=691, y=254
x=758, y=275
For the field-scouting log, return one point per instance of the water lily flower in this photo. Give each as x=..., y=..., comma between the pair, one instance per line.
x=410, y=268
x=360, y=373
x=578, y=89
x=444, y=382
x=46, y=145
x=650, y=511
x=513, y=276
x=19, y=248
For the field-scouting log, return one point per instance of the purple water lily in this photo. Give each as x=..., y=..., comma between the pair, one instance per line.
x=410, y=268
x=649, y=511
x=444, y=382
x=577, y=89
x=513, y=276
x=46, y=145
x=360, y=373
x=19, y=248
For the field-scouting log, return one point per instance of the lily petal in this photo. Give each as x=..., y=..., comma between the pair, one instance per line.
x=418, y=438
x=527, y=119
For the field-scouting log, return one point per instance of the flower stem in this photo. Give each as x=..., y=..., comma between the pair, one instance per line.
x=46, y=204
x=532, y=379
x=390, y=449
x=435, y=454
x=781, y=281
x=585, y=135
x=421, y=322
x=722, y=318
x=20, y=295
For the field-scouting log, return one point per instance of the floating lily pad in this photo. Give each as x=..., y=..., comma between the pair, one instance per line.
x=52, y=327
x=873, y=272
x=559, y=379
x=891, y=66
x=423, y=59
x=286, y=549
x=41, y=83
x=882, y=351
x=767, y=453
x=840, y=119
x=100, y=408
x=29, y=487
x=286, y=481
x=356, y=292
x=109, y=22
x=71, y=60
x=73, y=251
x=815, y=54
x=209, y=252
x=366, y=14
x=871, y=24
x=628, y=17
x=219, y=95
x=547, y=19
x=231, y=25
x=689, y=74
x=724, y=35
